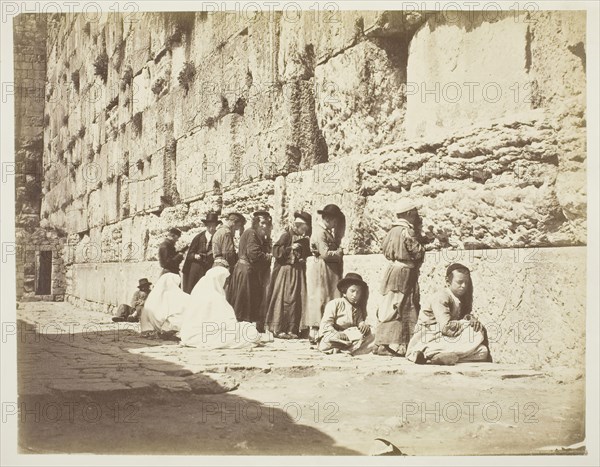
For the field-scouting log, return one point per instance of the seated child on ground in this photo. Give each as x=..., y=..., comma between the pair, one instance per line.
x=132, y=313
x=343, y=327
x=446, y=333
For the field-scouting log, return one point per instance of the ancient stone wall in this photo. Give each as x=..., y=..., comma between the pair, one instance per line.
x=30, y=83
x=155, y=119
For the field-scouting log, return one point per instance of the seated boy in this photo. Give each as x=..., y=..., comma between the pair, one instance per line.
x=446, y=332
x=343, y=327
x=132, y=313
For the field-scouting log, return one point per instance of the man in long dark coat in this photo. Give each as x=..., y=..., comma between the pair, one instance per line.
x=199, y=258
x=222, y=241
x=168, y=257
x=287, y=288
x=247, y=288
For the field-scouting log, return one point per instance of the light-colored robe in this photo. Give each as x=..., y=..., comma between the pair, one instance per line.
x=340, y=315
x=165, y=305
x=441, y=328
x=323, y=272
x=210, y=322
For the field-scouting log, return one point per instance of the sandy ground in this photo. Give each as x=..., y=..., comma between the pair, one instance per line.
x=88, y=386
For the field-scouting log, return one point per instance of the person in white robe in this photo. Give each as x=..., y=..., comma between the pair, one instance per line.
x=209, y=322
x=164, y=308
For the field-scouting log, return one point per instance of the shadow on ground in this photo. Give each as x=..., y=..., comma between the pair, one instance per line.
x=60, y=412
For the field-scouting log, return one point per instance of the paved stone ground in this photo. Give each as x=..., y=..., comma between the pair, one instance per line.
x=285, y=398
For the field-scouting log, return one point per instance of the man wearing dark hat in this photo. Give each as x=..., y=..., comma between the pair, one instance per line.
x=249, y=279
x=287, y=289
x=325, y=268
x=132, y=313
x=199, y=257
x=168, y=257
x=222, y=240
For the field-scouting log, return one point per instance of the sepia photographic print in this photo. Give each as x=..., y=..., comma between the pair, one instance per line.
x=302, y=229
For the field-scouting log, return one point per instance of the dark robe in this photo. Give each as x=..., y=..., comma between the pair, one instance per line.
x=223, y=246
x=168, y=257
x=194, y=269
x=246, y=286
x=287, y=290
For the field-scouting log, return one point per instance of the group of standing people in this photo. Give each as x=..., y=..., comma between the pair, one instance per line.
x=306, y=291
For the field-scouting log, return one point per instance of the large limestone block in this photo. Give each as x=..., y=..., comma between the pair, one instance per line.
x=360, y=99
x=463, y=70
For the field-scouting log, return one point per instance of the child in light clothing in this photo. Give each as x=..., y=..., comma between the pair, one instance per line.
x=343, y=327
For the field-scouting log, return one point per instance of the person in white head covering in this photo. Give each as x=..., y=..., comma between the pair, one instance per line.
x=165, y=305
x=210, y=322
x=399, y=308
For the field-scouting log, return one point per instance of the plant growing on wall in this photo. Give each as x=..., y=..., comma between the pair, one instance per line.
x=113, y=103
x=139, y=164
x=186, y=75
x=87, y=28
x=137, y=123
x=65, y=120
x=46, y=120
x=71, y=144
x=158, y=86
x=119, y=54
x=101, y=66
x=75, y=80
x=127, y=78
x=81, y=132
x=90, y=153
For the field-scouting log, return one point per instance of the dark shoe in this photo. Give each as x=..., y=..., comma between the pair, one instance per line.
x=169, y=336
x=420, y=358
x=445, y=358
x=133, y=319
x=291, y=335
x=384, y=351
x=118, y=319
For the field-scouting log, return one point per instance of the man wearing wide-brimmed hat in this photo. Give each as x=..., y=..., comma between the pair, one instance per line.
x=199, y=257
x=325, y=268
x=133, y=312
x=222, y=240
x=399, y=308
x=248, y=282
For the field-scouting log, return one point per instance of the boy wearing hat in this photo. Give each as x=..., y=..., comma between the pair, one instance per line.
x=398, y=311
x=199, y=258
x=343, y=327
x=132, y=313
x=168, y=257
